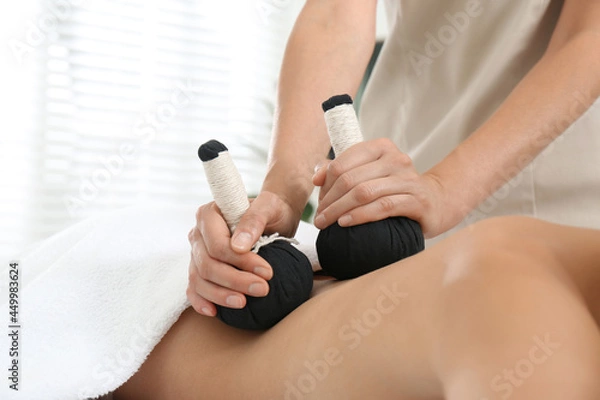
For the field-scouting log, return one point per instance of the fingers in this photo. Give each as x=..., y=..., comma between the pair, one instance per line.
x=357, y=179
x=213, y=279
x=382, y=208
x=357, y=155
x=320, y=173
x=366, y=173
x=199, y=303
x=214, y=243
x=223, y=270
x=225, y=275
x=375, y=159
x=369, y=201
x=264, y=210
x=203, y=295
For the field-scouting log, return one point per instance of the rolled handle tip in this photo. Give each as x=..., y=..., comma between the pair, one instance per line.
x=210, y=150
x=336, y=101
x=342, y=123
x=225, y=182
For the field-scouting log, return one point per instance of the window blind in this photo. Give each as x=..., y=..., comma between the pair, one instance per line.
x=122, y=94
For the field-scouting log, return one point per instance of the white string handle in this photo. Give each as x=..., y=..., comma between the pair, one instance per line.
x=342, y=125
x=227, y=188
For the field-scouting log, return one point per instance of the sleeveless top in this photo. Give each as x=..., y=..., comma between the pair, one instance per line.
x=442, y=72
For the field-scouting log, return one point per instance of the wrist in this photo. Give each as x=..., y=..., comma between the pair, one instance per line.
x=448, y=208
x=292, y=184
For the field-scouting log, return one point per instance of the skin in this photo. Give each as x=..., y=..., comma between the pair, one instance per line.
x=467, y=314
x=374, y=180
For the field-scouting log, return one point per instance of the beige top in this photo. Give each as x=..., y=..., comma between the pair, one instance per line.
x=445, y=68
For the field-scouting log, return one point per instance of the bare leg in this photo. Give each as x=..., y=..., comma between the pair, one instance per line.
x=516, y=320
x=510, y=294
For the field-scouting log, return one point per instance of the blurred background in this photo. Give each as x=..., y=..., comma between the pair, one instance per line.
x=105, y=102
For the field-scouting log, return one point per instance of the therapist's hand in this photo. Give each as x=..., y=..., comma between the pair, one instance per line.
x=213, y=279
x=372, y=181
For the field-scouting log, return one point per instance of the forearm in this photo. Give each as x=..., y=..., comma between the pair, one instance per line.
x=326, y=54
x=555, y=93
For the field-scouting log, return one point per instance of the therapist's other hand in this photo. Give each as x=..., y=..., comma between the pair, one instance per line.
x=215, y=254
x=374, y=180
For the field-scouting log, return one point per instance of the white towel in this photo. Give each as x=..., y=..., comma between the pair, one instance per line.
x=96, y=298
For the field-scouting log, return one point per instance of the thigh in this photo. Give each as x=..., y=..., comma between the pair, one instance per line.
x=365, y=338
x=405, y=331
x=358, y=339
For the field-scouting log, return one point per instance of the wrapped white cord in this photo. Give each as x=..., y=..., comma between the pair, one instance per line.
x=228, y=189
x=342, y=125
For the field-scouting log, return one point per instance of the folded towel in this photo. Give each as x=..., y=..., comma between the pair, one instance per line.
x=96, y=298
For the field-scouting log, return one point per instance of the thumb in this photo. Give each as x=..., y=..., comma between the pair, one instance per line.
x=251, y=225
x=320, y=173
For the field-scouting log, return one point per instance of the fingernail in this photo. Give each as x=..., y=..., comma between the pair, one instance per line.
x=257, y=289
x=345, y=220
x=206, y=312
x=234, y=302
x=242, y=241
x=263, y=272
x=318, y=167
x=320, y=220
